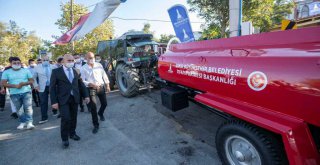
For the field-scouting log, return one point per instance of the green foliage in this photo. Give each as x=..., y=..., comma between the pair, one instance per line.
x=15, y=41
x=146, y=28
x=264, y=14
x=86, y=44
x=165, y=38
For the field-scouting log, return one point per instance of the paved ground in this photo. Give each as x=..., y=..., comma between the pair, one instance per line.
x=136, y=131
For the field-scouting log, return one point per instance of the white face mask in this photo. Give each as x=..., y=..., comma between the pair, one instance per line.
x=98, y=60
x=91, y=61
x=69, y=65
x=78, y=60
x=16, y=66
x=45, y=63
x=33, y=65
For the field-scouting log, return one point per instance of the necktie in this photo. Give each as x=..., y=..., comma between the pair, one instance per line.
x=70, y=77
x=47, y=75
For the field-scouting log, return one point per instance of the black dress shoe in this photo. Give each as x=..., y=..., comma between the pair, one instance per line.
x=75, y=137
x=102, y=118
x=65, y=144
x=95, y=130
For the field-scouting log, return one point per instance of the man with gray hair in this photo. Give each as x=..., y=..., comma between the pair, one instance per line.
x=96, y=79
x=66, y=87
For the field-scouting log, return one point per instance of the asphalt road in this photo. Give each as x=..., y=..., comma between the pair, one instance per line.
x=136, y=131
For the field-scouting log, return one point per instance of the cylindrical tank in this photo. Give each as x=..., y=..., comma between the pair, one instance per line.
x=279, y=71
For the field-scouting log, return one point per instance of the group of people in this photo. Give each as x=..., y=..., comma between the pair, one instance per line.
x=68, y=83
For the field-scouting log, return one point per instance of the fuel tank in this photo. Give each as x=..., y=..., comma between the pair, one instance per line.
x=278, y=71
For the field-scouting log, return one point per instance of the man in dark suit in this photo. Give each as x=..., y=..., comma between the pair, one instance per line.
x=66, y=87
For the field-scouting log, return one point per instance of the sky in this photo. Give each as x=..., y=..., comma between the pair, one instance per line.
x=40, y=15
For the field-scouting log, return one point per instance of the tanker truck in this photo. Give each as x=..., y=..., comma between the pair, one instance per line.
x=266, y=85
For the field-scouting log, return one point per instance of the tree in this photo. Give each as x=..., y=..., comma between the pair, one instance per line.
x=262, y=13
x=90, y=41
x=16, y=41
x=164, y=38
x=146, y=28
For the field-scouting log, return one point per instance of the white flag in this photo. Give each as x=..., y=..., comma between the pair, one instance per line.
x=100, y=13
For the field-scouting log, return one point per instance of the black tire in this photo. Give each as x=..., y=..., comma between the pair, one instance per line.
x=127, y=81
x=236, y=140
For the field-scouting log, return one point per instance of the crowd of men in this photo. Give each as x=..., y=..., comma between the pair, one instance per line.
x=69, y=83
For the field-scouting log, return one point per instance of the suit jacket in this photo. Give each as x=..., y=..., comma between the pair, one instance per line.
x=60, y=87
x=40, y=75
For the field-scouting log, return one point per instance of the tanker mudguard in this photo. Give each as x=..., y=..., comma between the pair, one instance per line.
x=271, y=80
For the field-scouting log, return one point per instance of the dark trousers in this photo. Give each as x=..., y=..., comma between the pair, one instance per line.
x=35, y=97
x=81, y=103
x=93, y=104
x=44, y=97
x=68, y=114
x=2, y=100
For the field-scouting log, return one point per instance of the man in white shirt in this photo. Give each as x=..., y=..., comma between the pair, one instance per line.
x=96, y=79
x=43, y=73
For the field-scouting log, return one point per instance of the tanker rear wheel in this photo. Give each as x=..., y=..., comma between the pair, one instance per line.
x=127, y=81
x=240, y=143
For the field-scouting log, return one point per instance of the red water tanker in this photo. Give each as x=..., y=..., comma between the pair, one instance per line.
x=268, y=83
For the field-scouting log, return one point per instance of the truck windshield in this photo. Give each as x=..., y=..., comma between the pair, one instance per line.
x=144, y=50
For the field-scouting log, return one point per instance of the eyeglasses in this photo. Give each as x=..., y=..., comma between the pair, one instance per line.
x=70, y=60
x=45, y=60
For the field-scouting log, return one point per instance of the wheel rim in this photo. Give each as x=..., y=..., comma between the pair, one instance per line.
x=240, y=151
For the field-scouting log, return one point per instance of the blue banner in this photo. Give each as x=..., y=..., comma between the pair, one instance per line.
x=181, y=23
x=314, y=8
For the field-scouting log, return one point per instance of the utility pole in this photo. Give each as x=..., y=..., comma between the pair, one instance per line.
x=235, y=17
x=71, y=14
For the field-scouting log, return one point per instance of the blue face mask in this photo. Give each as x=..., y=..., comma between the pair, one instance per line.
x=45, y=63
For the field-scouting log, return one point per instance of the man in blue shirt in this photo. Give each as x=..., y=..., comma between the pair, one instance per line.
x=43, y=73
x=18, y=80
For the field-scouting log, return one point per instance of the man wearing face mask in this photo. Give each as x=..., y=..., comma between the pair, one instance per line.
x=14, y=114
x=78, y=65
x=39, y=61
x=18, y=80
x=43, y=73
x=78, y=62
x=65, y=89
x=96, y=79
x=35, y=93
x=59, y=62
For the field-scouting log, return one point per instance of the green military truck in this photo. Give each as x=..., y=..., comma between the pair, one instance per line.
x=131, y=61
